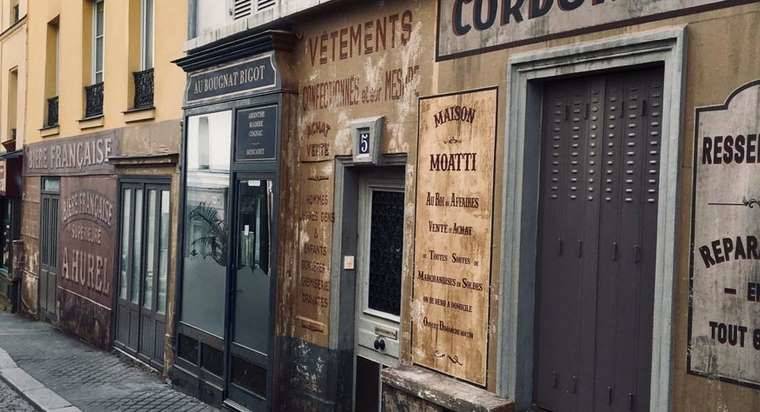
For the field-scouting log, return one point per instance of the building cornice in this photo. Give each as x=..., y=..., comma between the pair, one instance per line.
x=236, y=47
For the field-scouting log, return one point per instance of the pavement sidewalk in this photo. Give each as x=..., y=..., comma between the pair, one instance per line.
x=59, y=373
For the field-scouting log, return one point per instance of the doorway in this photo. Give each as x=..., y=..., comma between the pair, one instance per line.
x=248, y=374
x=380, y=230
x=49, y=218
x=597, y=241
x=143, y=269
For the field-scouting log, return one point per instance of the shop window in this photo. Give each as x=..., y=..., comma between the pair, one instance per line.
x=206, y=222
x=6, y=234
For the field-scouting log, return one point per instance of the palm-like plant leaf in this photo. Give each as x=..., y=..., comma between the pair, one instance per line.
x=215, y=235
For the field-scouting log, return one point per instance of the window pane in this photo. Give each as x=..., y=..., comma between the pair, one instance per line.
x=147, y=34
x=99, y=55
x=386, y=248
x=206, y=232
x=163, y=252
x=150, y=251
x=126, y=208
x=99, y=18
x=137, y=248
x=5, y=235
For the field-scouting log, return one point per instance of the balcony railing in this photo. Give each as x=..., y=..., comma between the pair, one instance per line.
x=143, y=89
x=52, y=112
x=94, y=100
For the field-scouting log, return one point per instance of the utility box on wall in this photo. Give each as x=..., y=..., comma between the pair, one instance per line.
x=366, y=134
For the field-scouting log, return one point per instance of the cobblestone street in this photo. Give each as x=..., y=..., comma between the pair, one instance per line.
x=89, y=379
x=10, y=401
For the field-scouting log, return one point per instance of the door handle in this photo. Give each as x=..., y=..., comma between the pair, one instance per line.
x=380, y=344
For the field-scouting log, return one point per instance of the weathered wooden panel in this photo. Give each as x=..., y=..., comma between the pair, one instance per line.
x=466, y=27
x=315, y=240
x=452, y=252
x=725, y=286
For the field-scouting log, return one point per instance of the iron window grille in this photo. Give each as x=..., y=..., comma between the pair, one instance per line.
x=94, y=100
x=52, y=112
x=143, y=89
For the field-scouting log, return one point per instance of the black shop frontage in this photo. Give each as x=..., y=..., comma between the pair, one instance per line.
x=236, y=107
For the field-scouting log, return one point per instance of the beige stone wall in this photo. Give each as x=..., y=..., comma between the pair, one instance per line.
x=12, y=58
x=722, y=54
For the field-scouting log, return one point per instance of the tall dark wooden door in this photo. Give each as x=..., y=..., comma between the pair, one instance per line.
x=143, y=270
x=597, y=241
x=49, y=219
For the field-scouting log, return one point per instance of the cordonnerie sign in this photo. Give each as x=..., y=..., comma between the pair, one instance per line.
x=724, y=330
x=471, y=26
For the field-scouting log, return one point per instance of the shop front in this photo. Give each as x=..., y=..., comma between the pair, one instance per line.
x=84, y=214
x=237, y=111
x=483, y=205
x=11, y=247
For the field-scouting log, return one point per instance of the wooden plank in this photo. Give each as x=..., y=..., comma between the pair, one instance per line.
x=454, y=216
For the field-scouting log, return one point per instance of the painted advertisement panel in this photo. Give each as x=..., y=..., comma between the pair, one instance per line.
x=452, y=252
x=467, y=26
x=724, y=330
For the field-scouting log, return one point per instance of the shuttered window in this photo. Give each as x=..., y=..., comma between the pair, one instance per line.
x=245, y=8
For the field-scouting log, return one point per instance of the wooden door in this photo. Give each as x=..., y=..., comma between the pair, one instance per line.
x=597, y=242
x=143, y=270
x=49, y=219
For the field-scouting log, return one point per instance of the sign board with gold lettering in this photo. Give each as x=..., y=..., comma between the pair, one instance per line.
x=315, y=239
x=724, y=330
x=452, y=251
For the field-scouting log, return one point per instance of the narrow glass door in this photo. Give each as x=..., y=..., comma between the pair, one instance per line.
x=143, y=270
x=252, y=280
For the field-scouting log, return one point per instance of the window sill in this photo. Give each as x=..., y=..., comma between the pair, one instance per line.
x=140, y=114
x=91, y=122
x=50, y=131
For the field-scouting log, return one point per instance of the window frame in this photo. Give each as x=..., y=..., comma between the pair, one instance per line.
x=94, y=39
x=145, y=20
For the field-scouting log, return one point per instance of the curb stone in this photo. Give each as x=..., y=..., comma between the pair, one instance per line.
x=31, y=389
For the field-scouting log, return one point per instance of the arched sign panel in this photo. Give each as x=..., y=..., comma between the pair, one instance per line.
x=724, y=330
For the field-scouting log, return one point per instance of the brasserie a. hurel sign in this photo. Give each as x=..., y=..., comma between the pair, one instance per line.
x=472, y=26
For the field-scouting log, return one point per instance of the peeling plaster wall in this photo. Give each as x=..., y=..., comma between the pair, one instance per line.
x=722, y=54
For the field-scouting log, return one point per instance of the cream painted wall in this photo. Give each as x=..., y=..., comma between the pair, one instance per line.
x=121, y=57
x=12, y=57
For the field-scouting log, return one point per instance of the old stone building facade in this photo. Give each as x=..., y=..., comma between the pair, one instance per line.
x=100, y=172
x=478, y=205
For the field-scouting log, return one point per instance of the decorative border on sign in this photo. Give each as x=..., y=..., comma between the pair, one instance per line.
x=745, y=202
x=455, y=359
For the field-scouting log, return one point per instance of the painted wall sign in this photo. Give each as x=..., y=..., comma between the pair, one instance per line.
x=87, y=237
x=315, y=240
x=724, y=332
x=229, y=80
x=73, y=156
x=468, y=27
x=256, y=133
x=452, y=251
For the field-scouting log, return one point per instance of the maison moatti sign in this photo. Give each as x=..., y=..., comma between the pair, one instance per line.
x=724, y=332
x=473, y=26
x=232, y=79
